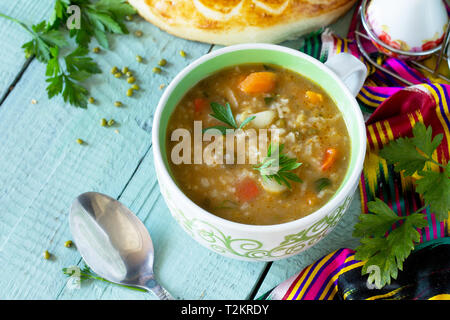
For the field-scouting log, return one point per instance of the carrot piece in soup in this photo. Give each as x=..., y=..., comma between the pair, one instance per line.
x=329, y=158
x=247, y=190
x=259, y=82
x=314, y=97
x=200, y=104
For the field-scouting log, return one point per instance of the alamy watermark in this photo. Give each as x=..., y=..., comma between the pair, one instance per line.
x=74, y=281
x=235, y=147
x=374, y=278
x=74, y=20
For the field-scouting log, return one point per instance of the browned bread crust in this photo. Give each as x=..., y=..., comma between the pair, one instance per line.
x=238, y=21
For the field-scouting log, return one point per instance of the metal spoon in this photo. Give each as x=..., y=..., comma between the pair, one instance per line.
x=113, y=242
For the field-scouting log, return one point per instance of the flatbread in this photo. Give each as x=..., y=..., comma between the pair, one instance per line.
x=229, y=22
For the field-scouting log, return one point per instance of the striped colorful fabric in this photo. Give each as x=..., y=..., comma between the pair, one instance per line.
x=324, y=274
x=426, y=103
x=337, y=276
x=394, y=109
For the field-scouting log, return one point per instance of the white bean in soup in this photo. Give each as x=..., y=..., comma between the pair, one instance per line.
x=314, y=145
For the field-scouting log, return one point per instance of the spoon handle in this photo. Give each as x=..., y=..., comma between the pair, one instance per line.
x=152, y=286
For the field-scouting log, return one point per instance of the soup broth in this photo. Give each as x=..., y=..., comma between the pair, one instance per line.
x=312, y=139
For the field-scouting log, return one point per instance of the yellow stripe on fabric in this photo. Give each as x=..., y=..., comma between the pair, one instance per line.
x=332, y=280
x=346, y=294
x=344, y=270
x=438, y=109
x=448, y=223
x=381, y=133
x=345, y=45
x=361, y=196
x=367, y=102
x=338, y=45
x=419, y=115
x=371, y=171
x=412, y=121
x=370, y=70
x=405, y=182
x=373, y=137
x=313, y=274
x=442, y=296
x=324, y=293
x=389, y=131
x=441, y=115
x=384, y=141
x=371, y=162
x=299, y=282
x=434, y=156
x=370, y=82
x=372, y=96
x=386, y=295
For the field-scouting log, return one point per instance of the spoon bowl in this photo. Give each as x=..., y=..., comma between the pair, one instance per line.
x=113, y=242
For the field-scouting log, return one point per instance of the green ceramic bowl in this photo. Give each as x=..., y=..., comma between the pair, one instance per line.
x=268, y=242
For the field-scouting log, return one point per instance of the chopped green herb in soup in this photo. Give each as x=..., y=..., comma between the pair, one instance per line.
x=312, y=148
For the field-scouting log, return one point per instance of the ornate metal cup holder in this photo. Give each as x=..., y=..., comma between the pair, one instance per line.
x=412, y=58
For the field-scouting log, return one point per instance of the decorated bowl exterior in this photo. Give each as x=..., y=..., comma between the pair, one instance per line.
x=407, y=25
x=257, y=242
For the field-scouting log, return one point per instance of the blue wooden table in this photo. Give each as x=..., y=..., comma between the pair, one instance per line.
x=42, y=169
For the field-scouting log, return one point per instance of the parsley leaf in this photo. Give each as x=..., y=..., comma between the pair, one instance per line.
x=278, y=166
x=42, y=40
x=404, y=155
x=74, y=93
x=100, y=18
x=59, y=14
x=435, y=189
x=385, y=255
x=247, y=120
x=225, y=115
x=377, y=223
x=81, y=275
x=411, y=154
x=78, y=67
x=423, y=139
x=117, y=8
x=322, y=183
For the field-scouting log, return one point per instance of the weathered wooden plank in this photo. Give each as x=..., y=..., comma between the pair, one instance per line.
x=185, y=268
x=43, y=168
x=140, y=198
x=12, y=59
x=43, y=171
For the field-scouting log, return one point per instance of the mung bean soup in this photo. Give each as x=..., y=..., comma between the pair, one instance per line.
x=312, y=145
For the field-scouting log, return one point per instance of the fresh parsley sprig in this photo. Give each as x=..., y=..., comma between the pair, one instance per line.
x=411, y=155
x=97, y=19
x=278, y=166
x=383, y=247
x=65, y=74
x=225, y=115
x=384, y=255
x=86, y=274
x=78, y=67
x=42, y=39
